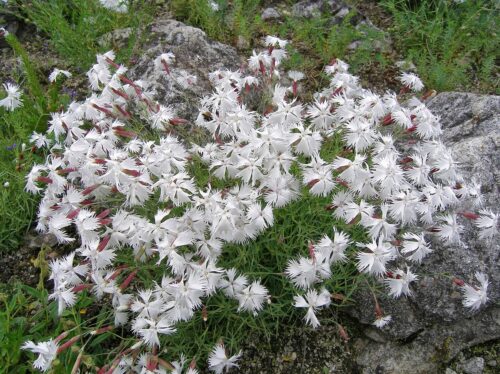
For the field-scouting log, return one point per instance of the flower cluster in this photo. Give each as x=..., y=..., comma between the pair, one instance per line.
x=395, y=179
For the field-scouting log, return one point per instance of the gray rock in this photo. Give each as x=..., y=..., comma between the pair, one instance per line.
x=492, y=363
x=314, y=8
x=354, y=45
x=475, y=365
x=195, y=54
x=116, y=38
x=270, y=14
x=432, y=325
x=242, y=43
x=450, y=371
x=36, y=240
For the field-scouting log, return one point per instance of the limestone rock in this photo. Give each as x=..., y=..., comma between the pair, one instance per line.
x=270, y=14
x=475, y=365
x=432, y=326
x=195, y=55
x=314, y=8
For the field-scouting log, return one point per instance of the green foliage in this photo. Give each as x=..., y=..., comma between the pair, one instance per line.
x=26, y=314
x=34, y=85
x=200, y=14
x=17, y=207
x=232, y=19
x=75, y=26
x=454, y=46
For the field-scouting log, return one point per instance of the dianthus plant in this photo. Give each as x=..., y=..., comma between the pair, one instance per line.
x=113, y=191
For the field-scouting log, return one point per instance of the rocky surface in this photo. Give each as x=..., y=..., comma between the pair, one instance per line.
x=195, y=55
x=270, y=14
x=432, y=326
x=298, y=350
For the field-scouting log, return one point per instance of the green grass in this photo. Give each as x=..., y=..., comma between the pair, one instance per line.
x=17, y=208
x=26, y=314
x=315, y=42
x=454, y=46
x=74, y=27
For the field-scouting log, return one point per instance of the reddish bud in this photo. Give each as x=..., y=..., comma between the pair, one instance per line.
x=387, y=120
x=404, y=89
x=312, y=183
x=132, y=173
x=343, y=333
x=120, y=93
x=262, y=67
x=102, y=330
x=310, y=247
x=66, y=171
x=61, y=336
x=104, y=213
x=406, y=160
x=76, y=366
x=429, y=94
x=411, y=129
x=337, y=91
x=458, y=282
x=165, y=66
x=112, y=63
x=104, y=242
x=127, y=280
x=125, y=133
x=81, y=287
x=68, y=344
x=178, y=121
x=122, y=111
x=73, y=214
x=44, y=180
x=342, y=182
x=469, y=215
x=104, y=110
x=204, y=313
x=117, y=272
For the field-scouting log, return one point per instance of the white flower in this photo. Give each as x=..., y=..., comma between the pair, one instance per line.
x=273, y=41
x=474, y=296
x=56, y=73
x=381, y=321
x=234, y=285
x=149, y=329
x=333, y=251
x=416, y=245
x=374, y=261
x=252, y=298
x=450, y=229
x=40, y=140
x=307, y=271
x=47, y=352
x=214, y=6
x=295, y=75
x=119, y=6
x=13, y=99
x=218, y=361
x=411, y=81
x=312, y=301
x=399, y=282
x=487, y=223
